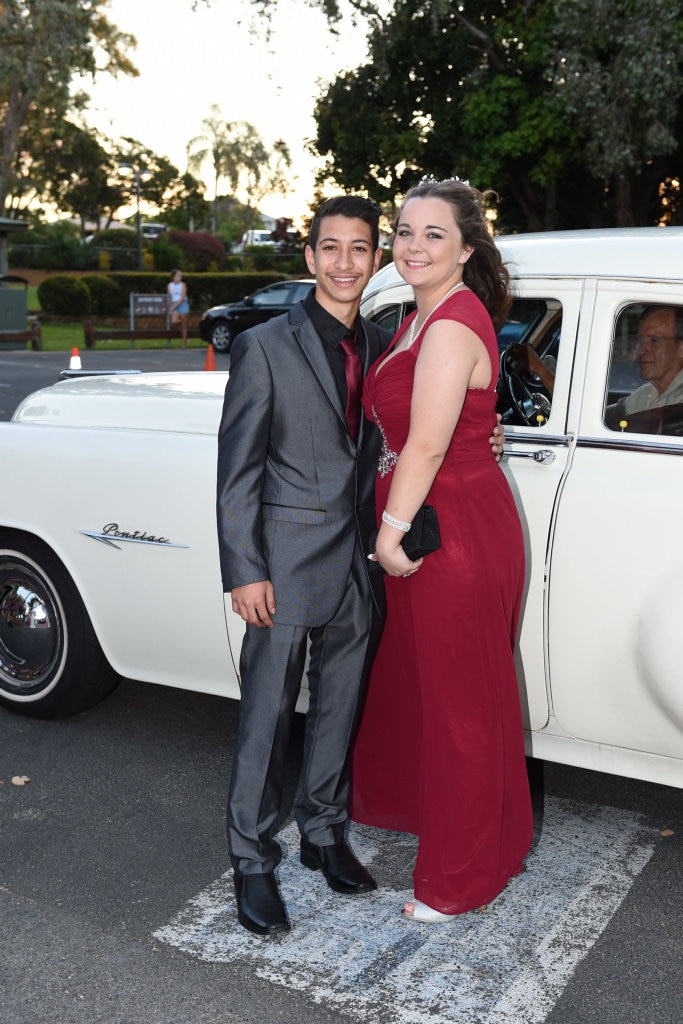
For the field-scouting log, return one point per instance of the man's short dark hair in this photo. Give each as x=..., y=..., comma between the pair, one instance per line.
x=347, y=206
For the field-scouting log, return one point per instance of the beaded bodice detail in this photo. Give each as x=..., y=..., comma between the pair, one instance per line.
x=387, y=457
x=387, y=393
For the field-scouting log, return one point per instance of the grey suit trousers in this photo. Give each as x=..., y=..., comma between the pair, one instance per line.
x=272, y=665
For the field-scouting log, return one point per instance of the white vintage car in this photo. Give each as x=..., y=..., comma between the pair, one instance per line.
x=108, y=553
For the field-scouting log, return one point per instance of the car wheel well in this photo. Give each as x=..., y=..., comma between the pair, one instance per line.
x=11, y=534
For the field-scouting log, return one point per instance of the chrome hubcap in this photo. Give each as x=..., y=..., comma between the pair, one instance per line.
x=31, y=640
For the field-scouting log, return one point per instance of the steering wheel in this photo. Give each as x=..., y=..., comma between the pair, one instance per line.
x=529, y=397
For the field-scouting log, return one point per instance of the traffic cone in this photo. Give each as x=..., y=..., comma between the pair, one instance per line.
x=75, y=361
x=210, y=362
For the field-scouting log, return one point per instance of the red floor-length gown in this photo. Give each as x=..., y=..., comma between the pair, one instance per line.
x=440, y=751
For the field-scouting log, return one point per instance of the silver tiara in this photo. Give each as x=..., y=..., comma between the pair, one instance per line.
x=429, y=179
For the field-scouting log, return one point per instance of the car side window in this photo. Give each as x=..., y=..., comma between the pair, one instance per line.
x=644, y=391
x=528, y=343
x=300, y=291
x=391, y=317
x=275, y=296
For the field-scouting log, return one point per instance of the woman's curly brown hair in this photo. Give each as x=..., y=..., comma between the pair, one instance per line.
x=484, y=272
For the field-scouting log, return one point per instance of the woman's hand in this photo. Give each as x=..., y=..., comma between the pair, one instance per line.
x=393, y=559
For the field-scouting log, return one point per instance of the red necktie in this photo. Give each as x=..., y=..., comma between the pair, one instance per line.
x=354, y=382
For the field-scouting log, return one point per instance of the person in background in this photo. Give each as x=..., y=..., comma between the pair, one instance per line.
x=659, y=355
x=179, y=307
x=440, y=751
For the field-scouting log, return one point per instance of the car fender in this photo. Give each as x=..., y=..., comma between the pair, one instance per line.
x=131, y=516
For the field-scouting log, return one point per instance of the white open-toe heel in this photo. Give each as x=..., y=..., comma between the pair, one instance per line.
x=424, y=914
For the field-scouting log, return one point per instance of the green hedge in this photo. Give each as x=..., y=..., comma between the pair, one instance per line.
x=108, y=294
x=107, y=297
x=203, y=290
x=88, y=294
x=64, y=295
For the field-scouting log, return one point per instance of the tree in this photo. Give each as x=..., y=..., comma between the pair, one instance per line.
x=161, y=176
x=367, y=135
x=184, y=205
x=74, y=173
x=618, y=72
x=181, y=196
x=475, y=89
x=264, y=171
x=215, y=143
x=447, y=91
x=43, y=45
x=240, y=158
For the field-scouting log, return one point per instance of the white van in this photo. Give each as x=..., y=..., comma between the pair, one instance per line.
x=257, y=236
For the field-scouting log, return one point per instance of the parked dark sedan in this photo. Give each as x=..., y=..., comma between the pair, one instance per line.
x=220, y=325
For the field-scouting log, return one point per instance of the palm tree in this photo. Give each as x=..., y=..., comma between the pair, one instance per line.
x=216, y=143
x=241, y=159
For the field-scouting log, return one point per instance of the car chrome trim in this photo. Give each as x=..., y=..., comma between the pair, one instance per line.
x=110, y=534
x=544, y=455
x=619, y=441
x=564, y=440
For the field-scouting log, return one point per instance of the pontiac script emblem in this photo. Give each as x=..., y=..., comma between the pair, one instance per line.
x=112, y=532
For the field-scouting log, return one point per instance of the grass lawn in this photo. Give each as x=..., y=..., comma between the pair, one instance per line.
x=64, y=337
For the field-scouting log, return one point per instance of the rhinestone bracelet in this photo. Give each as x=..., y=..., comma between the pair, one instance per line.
x=398, y=524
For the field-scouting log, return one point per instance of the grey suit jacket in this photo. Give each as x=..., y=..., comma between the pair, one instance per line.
x=294, y=490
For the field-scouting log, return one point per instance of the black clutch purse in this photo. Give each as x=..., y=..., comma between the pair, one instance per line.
x=422, y=538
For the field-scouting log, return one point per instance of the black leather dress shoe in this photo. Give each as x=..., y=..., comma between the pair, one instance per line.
x=342, y=870
x=259, y=905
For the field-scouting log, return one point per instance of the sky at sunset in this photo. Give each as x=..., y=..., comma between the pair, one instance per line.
x=191, y=60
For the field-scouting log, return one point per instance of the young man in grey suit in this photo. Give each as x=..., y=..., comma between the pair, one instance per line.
x=296, y=469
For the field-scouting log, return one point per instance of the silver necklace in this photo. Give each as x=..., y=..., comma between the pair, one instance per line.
x=414, y=329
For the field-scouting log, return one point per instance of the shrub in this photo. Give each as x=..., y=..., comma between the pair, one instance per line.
x=115, y=238
x=56, y=246
x=118, y=245
x=64, y=296
x=295, y=265
x=199, y=248
x=167, y=255
x=107, y=298
x=204, y=290
x=50, y=250
x=260, y=257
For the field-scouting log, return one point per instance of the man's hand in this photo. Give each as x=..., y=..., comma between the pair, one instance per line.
x=255, y=603
x=497, y=439
x=528, y=358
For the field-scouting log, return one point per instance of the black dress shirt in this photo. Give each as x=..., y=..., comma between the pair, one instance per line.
x=331, y=331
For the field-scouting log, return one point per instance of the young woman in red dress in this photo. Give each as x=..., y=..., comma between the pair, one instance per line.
x=440, y=750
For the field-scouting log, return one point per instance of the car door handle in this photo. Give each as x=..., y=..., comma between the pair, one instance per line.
x=544, y=455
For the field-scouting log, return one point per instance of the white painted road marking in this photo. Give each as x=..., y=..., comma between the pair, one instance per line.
x=506, y=966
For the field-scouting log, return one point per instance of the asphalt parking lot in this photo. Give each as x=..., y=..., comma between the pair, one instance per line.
x=117, y=904
x=26, y=371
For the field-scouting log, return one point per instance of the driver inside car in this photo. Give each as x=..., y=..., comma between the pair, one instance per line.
x=659, y=355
